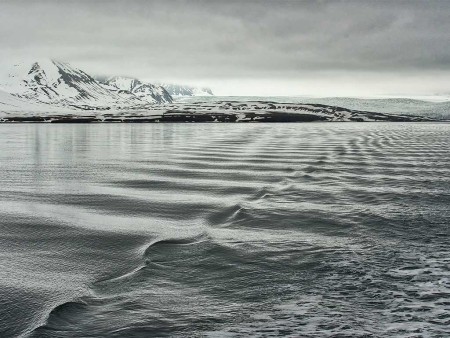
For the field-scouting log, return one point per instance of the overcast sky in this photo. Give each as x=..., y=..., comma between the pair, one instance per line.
x=266, y=47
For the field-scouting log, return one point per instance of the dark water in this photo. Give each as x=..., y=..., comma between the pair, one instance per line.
x=311, y=230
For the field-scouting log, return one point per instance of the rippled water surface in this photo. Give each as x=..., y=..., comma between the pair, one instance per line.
x=311, y=230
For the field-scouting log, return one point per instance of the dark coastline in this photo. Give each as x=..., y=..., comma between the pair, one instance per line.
x=221, y=112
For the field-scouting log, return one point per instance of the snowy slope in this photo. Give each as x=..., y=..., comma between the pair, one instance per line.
x=11, y=103
x=143, y=90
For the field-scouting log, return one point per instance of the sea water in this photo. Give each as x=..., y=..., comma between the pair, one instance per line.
x=217, y=230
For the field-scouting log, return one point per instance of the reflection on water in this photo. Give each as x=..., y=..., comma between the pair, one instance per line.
x=213, y=230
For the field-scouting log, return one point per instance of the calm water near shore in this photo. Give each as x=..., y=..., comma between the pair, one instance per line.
x=311, y=230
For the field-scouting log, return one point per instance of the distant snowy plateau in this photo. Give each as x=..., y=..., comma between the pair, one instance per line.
x=52, y=91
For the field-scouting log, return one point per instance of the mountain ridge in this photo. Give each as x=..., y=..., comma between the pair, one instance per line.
x=143, y=90
x=57, y=83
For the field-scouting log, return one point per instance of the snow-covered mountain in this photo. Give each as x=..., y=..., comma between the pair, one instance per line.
x=143, y=90
x=180, y=90
x=57, y=83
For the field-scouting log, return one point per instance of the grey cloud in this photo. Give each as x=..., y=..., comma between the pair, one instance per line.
x=230, y=39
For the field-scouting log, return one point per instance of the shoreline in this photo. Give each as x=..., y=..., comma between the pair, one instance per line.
x=215, y=112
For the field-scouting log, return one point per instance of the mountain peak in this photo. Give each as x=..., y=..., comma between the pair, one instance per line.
x=25, y=78
x=144, y=90
x=51, y=81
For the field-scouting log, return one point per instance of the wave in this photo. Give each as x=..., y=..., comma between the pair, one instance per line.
x=249, y=230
